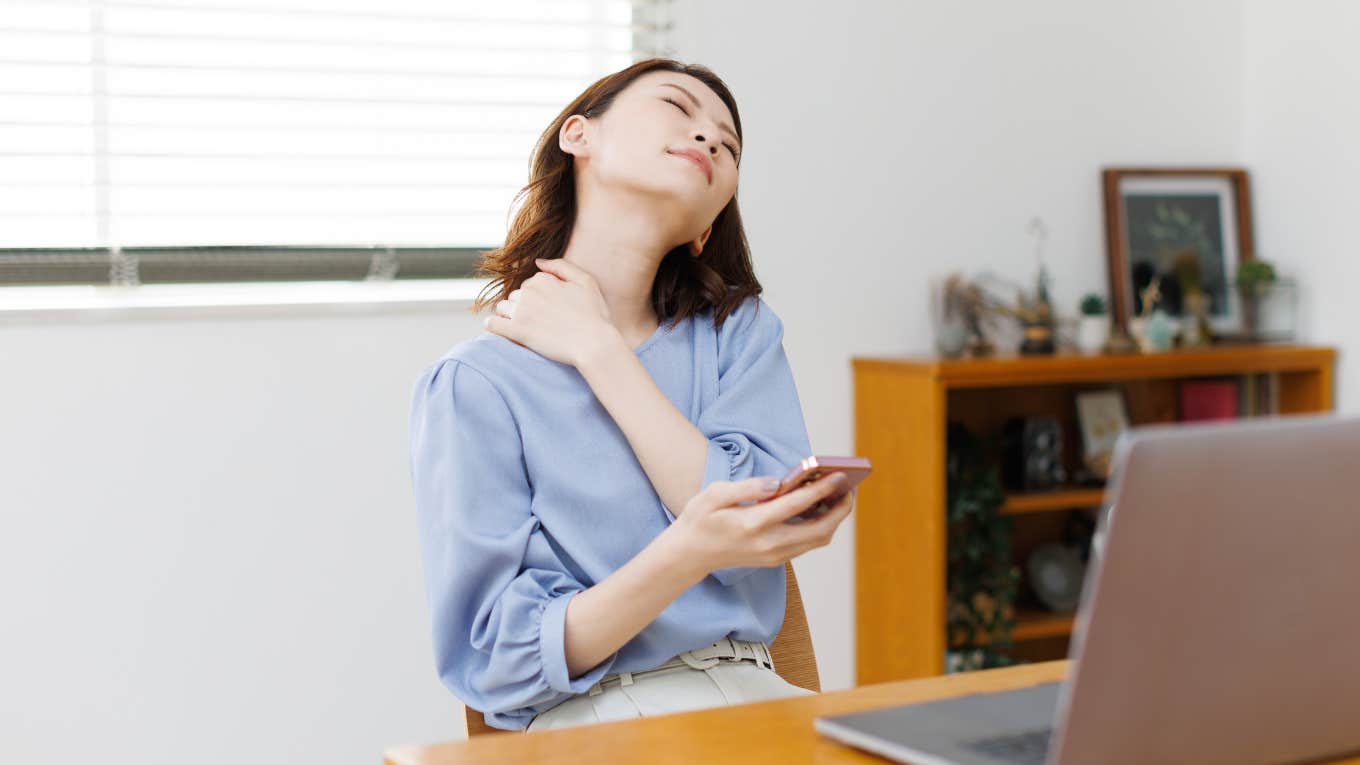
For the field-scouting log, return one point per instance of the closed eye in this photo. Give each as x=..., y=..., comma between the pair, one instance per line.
x=729, y=146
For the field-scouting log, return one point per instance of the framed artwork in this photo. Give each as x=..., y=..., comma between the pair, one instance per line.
x=1161, y=224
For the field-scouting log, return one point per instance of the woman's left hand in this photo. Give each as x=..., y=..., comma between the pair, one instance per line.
x=558, y=313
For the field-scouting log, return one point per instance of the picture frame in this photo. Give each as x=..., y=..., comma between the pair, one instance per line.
x=1101, y=417
x=1153, y=215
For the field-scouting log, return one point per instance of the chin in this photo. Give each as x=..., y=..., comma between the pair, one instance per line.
x=673, y=190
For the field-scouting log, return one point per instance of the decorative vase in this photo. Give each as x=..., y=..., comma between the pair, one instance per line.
x=1158, y=332
x=951, y=339
x=1092, y=333
x=1277, y=312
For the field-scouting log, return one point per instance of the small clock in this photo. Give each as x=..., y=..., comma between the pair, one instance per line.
x=1055, y=574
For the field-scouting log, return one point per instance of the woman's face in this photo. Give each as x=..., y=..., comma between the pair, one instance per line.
x=641, y=141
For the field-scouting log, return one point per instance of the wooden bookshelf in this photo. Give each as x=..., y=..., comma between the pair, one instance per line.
x=902, y=408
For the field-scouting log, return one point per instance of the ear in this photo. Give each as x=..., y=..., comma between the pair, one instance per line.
x=696, y=246
x=573, y=137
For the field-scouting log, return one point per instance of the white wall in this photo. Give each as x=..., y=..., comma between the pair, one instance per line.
x=207, y=542
x=1302, y=77
x=890, y=142
x=206, y=536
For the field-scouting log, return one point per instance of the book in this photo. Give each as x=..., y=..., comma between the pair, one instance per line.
x=1210, y=400
x=1259, y=395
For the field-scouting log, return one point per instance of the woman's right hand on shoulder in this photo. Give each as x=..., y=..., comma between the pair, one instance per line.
x=720, y=532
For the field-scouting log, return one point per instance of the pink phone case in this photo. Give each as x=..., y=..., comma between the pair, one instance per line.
x=813, y=468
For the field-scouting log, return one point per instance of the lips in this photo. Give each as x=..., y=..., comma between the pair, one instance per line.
x=698, y=158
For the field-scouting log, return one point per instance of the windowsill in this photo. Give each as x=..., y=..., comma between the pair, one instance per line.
x=259, y=298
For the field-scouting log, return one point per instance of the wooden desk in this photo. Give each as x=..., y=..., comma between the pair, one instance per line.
x=769, y=731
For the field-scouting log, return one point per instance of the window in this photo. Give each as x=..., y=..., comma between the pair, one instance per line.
x=265, y=140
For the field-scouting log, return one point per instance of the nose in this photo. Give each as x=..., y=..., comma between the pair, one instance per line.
x=712, y=147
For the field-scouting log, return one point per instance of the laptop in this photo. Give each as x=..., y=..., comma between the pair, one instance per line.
x=1219, y=620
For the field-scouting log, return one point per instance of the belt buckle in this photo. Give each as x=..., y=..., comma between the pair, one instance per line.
x=744, y=649
x=747, y=649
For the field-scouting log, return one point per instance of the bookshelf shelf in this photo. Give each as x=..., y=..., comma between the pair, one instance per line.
x=1058, y=499
x=1032, y=624
x=902, y=409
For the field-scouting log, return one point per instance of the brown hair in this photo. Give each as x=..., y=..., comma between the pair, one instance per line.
x=722, y=277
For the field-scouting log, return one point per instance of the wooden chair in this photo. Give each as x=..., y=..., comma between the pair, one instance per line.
x=791, y=652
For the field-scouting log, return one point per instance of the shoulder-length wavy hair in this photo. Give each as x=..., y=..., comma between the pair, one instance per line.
x=721, y=278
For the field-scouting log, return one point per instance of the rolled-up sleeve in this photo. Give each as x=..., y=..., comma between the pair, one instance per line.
x=496, y=589
x=755, y=427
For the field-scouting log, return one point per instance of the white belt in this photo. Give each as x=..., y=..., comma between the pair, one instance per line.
x=700, y=658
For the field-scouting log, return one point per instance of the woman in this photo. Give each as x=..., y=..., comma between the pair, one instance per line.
x=592, y=475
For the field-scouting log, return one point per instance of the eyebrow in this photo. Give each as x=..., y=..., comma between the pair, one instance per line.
x=722, y=125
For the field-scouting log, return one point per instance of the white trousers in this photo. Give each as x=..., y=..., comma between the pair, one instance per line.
x=673, y=689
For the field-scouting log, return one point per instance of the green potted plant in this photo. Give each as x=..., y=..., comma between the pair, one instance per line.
x=1254, y=278
x=1093, y=329
x=981, y=579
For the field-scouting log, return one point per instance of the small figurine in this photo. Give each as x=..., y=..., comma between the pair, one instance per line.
x=1195, y=328
x=1152, y=330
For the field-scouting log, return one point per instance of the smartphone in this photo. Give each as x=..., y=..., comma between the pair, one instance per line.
x=813, y=468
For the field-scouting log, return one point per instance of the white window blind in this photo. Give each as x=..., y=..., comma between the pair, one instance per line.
x=259, y=139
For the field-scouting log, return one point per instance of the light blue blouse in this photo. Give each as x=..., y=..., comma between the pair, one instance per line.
x=527, y=493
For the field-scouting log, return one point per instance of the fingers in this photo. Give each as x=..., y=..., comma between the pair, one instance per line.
x=569, y=272
x=503, y=327
x=827, y=522
x=727, y=493
x=540, y=279
x=796, y=539
x=800, y=499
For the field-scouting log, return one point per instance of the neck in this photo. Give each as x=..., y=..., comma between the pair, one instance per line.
x=619, y=238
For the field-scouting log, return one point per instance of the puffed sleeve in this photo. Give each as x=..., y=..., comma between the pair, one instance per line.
x=755, y=427
x=497, y=592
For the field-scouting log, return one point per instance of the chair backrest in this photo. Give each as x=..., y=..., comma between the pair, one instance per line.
x=791, y=650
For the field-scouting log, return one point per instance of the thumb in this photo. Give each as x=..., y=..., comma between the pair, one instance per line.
x=756, y=488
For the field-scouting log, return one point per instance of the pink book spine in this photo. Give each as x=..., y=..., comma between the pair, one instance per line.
x=1208, y=400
